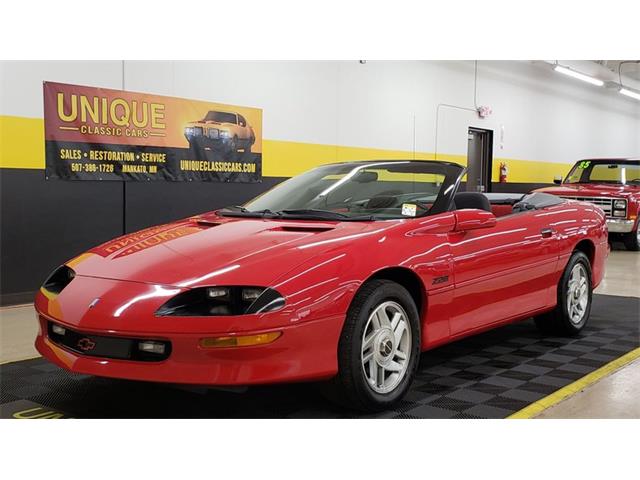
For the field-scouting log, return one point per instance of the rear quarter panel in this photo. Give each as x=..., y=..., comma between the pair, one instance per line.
x=577, y=222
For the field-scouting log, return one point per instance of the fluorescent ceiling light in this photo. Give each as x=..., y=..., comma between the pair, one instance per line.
x=578, y=75
x=630, y=93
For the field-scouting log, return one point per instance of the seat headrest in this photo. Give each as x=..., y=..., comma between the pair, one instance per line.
x=380, y=201
x=472, y=200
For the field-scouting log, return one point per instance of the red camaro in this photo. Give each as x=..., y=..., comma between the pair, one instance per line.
x=343, y=274
x=613, y=184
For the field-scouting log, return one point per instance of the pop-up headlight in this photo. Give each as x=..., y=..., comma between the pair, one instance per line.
x=222, y=301
x=217, y=292
x=251, y=294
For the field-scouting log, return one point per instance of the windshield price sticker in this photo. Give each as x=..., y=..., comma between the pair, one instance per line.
x=409, y=209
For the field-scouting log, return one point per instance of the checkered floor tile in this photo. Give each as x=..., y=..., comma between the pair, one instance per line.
x=490, y=375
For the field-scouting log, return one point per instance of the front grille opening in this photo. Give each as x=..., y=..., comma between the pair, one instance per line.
x=100, y=346
x=605, y=204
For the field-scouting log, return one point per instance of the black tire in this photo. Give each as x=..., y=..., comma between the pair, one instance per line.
x=350, y=387
x=632, y=240
x=559, y=321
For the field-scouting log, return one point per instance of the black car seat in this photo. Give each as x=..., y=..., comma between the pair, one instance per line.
x=522, y=207
x=472, y=200
x=385, y=199
x=380, y=201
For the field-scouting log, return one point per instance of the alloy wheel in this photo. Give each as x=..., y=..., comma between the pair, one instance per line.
x=386, y=347
x=577, y=293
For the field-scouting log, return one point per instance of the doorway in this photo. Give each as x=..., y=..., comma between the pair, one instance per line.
x=479, y=160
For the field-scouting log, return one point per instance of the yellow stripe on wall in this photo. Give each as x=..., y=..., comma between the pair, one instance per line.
x=21, y=142
x=297, y=157
x=530, y=171
x=22, y=146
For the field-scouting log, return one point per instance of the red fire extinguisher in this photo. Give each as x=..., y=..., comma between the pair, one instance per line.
x=503, y=172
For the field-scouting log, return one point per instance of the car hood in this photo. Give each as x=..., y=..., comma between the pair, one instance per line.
x=591, y=190
x=209, y=250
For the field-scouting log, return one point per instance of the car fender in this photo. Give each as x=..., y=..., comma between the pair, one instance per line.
x=325, y=285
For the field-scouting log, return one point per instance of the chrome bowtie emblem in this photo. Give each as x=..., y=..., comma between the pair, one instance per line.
x=94, y=303
x=86, y=344
x=386, y=348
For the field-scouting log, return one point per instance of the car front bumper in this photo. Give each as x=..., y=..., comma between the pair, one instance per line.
x=619, y=225
x=221, y=142
x=305, y=351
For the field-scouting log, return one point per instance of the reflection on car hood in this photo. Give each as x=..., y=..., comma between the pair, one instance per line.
x=208, y=249
x=591, y=190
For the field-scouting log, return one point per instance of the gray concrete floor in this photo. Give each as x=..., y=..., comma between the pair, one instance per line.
x=617, y=395
x=18, y=329
x=614, y=396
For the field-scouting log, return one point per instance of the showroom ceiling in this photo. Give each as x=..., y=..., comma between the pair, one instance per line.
x=628, y=68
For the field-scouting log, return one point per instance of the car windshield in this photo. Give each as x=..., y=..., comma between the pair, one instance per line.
x=222, y=117
x=605, y=171
x=361, y=191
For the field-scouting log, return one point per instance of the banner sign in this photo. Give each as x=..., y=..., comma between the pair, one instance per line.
x=102, y=134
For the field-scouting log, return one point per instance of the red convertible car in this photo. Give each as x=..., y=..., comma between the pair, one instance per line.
x=613, y=184
x=343, y=274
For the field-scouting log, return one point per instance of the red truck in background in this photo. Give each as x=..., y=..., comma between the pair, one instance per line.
x=613, y=184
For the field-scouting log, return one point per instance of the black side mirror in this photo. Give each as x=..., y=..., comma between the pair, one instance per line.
x=557, y=180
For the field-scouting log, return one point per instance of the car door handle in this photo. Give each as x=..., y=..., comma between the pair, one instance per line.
x=547, y=232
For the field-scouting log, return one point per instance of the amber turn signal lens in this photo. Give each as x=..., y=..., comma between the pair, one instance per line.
x=240, y=341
